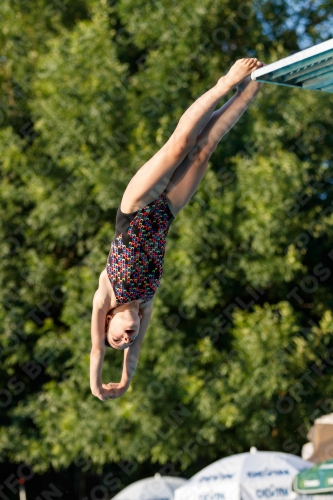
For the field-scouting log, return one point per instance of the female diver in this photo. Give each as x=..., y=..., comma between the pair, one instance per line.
x=122, y=305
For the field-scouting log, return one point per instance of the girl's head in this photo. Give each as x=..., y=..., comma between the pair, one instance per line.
x=122, y=327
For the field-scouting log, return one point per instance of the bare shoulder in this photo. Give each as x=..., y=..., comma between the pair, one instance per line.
x=104, y=296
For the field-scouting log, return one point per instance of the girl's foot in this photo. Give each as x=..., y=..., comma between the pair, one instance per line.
x=250, y=86
x=239, y=71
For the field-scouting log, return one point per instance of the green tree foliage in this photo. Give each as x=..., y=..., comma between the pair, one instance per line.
x=238, y=352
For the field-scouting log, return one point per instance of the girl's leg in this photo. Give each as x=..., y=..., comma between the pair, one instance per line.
x=187, y=177
x=155, y=175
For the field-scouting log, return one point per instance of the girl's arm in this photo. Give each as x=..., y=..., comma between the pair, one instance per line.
x=98, y=348
x=131, y=354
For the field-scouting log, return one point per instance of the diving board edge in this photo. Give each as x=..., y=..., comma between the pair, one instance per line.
x=319, y=49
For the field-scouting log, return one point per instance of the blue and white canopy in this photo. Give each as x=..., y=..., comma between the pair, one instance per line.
x=153, y=488
x=310, y=69
x=260, y=475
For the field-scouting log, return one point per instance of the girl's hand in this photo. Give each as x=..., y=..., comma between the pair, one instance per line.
x=111, y=391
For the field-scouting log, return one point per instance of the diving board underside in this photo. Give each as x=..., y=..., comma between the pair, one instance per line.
x=310, y=69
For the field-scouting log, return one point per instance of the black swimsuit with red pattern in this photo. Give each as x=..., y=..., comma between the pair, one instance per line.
x=135, y=262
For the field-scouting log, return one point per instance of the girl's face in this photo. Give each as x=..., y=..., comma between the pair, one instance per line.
x=122, y=328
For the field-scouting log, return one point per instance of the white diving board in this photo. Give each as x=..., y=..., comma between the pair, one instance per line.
x=310, y=69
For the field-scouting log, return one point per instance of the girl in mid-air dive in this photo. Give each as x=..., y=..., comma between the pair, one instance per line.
x=123, y=303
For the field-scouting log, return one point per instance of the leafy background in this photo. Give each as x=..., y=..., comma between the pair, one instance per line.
x=239, y=350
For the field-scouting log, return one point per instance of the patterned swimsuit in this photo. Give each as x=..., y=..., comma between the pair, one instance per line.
x=135, y=262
